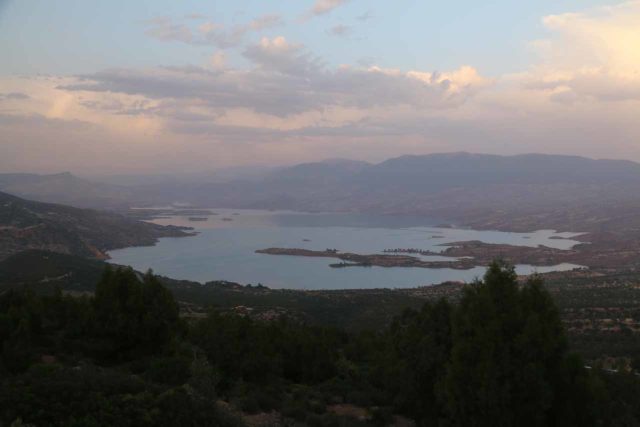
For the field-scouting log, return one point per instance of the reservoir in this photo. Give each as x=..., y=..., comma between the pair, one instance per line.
x=224, y=249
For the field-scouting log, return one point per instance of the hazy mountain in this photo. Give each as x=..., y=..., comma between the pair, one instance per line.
x=444, y=183
x=314, y=176
x=470, y=180
x=67, y=189
x=250, y=172
x=451, y=185
x=355, y=165
x=277, y=187
x=442, y=171
x=26, y=224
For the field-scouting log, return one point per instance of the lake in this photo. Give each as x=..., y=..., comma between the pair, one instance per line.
x=224, y=249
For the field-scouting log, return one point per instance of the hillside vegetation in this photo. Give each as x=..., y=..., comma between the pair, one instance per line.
x=26, y=224
x=124, y=357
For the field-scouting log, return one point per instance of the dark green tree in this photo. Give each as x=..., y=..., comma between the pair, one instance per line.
x=418, y=346
x=133, y=316
x=508, y=363
x=20, y=326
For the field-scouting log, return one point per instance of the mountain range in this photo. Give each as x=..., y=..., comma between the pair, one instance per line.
x=66, y=188
x=459, y=186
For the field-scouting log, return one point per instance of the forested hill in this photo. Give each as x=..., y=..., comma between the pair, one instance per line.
x=124, y=356
x=26, y=224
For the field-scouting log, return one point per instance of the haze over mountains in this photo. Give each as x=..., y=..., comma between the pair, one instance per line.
x=65, y=188
x=451, y=185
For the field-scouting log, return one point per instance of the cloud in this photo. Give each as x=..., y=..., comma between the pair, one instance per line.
x=266, y=21
x=325, y=6
x=13, y=96
x=581, y=94
x=340, y=30
x=218, y=60
x=279, y=55
x=285, y=81
x=322, y=7
x=195, y=16
x=213, y=34
x=208, y=33
x=367, y=61
x=365, y=16
x=592, y=55
x=43, y=122
x=164, y=29
x=599, y=84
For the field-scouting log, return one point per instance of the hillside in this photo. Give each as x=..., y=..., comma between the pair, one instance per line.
x=43, y=272
x=67, y=189
x=598, y=307
x=26, y=224
x=123, y=356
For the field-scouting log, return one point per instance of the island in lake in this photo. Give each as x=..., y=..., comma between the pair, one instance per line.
x=464, y=256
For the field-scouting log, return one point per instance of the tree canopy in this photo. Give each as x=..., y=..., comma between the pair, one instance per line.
x=496, y=357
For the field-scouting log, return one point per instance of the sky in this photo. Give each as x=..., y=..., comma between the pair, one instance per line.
x=152, y=86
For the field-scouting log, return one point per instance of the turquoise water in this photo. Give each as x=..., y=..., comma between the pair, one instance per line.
x=224, y=249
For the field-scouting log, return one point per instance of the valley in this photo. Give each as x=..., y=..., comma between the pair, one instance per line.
x=234, y=250
x=356, y=249
x=320, y=213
